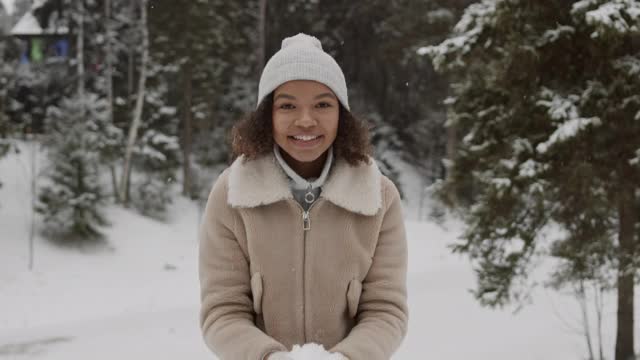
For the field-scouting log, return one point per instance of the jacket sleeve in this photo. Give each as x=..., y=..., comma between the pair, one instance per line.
x=226, y=314
x=382, y=318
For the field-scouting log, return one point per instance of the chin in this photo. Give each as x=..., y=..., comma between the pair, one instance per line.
x=306, y=158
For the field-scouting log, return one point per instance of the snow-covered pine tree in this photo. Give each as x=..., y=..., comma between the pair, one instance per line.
x=210, y=44
x=155, y=154
x=157, y=157
x=72, y=198
x=545, y=98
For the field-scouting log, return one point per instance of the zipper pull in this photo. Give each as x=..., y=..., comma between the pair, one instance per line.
x=306, y=221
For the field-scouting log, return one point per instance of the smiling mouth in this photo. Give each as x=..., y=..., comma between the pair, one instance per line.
x=306, y=141
x=305, y=137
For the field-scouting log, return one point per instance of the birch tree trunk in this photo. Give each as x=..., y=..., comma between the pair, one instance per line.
x=109, y=83
x=137, y=114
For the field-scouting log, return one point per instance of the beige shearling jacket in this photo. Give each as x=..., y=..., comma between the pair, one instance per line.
x=273, y=275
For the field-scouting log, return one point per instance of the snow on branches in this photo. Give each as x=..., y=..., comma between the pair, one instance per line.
x=565, y=111
x=635, y=160
x=552, y=35
x=617, y=16
x=476, y=18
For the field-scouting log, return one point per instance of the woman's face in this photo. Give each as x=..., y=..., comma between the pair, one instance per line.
x=305, y=119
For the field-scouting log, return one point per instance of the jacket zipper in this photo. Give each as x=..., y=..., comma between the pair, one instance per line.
x=306, y=226
x=306, y=221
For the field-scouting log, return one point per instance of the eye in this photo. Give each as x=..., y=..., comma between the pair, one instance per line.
x=324, y=105
x=286, y=106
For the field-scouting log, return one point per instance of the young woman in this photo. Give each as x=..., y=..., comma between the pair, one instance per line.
x=302, y=240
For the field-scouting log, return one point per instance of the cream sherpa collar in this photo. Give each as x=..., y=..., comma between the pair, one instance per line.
x=262, y=181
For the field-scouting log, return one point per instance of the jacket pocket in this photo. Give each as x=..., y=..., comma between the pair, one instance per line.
x=256, y=292
x=353, y=296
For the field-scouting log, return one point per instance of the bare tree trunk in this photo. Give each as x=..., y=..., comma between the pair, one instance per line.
x=451, y=142
x=130, y=75
x=130, y=95
x=597, y=290
x=109, y=84
x=627, y=217
x=131, y=60
x=3, y=95
x=3, y=127
x=186, y=138
x=80, y=53
x=582, y=299
x=114, y=182
x=451, y=155
x=108, y=58
x=262, y=35
x=137, y=116
x=34, y=193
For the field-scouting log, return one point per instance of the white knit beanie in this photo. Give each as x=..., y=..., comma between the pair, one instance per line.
x=302, y=58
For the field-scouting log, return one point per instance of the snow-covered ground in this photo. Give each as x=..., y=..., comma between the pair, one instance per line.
x=138, y=297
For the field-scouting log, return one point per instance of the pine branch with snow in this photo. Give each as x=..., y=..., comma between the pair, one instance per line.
x=477, y=19
x=609, y=16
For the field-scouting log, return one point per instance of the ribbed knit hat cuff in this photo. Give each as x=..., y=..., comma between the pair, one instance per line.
x=303, y=71
x=302, y=58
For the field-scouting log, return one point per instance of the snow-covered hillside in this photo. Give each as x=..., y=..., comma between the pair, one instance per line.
x=137, y=298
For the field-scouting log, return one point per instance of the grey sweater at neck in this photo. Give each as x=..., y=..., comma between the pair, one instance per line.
x=300, y=186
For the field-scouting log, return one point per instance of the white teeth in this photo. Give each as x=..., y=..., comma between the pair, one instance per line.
x=305, y=138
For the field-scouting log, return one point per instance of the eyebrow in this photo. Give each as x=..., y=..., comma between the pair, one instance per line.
x=291, y=97
x=286, y=96
x=329, y=95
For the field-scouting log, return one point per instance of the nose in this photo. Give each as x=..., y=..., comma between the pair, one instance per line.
x=306, y=119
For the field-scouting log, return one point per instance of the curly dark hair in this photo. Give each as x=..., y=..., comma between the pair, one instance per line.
x=252, y=136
